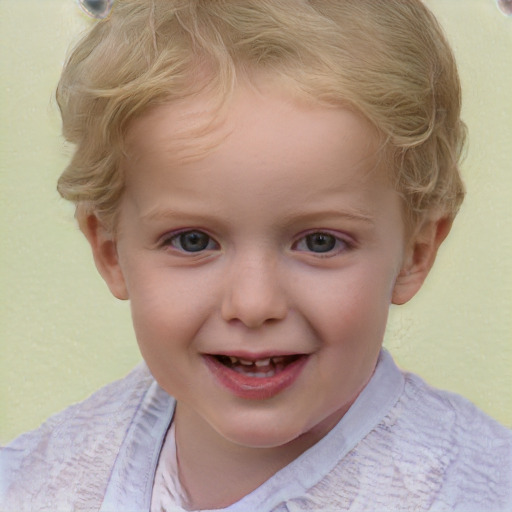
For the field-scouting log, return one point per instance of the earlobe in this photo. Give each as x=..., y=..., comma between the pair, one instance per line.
x=104, y=250
x=419, y=258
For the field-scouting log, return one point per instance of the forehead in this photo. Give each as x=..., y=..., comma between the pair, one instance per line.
x=260, y=157
x=247, y=123
x=186, y=129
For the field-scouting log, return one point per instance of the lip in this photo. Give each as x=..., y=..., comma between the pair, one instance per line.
x=256, y=388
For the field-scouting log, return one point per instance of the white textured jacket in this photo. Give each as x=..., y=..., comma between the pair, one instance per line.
x=401, y=446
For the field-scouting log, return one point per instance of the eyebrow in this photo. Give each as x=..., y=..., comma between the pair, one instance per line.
x=354, y=215
x=291, y=218
x=169, y=213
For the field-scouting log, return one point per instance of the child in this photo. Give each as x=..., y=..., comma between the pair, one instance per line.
x=262, y=179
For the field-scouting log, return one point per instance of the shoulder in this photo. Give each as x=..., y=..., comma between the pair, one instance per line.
x=445, y=415
x=404, y=445
x=431, y=451
x=70, y=456
x=446, y=445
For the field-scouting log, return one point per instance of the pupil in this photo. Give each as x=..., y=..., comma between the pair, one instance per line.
x=194, y=241
x=320, y=242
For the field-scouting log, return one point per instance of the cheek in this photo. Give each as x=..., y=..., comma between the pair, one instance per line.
x=161, y=306
x=352, y=292
x=164, y=329
x=169, y=307
x=349, y=317
x=159, y=291
x=162, y=316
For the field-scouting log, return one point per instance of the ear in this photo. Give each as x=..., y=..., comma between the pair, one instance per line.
x=104, y=250
x=419, y=258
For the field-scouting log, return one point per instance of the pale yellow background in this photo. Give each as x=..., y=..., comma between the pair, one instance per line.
x=63, y=335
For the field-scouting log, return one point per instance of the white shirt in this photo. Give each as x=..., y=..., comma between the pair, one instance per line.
x=401, y=446
x=167, y=491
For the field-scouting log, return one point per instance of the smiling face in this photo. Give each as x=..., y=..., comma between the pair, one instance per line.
x=261, y=271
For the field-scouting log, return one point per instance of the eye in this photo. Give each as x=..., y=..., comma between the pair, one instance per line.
x=321, y=243
x=191, y=241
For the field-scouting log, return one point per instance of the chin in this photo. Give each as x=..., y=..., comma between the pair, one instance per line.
x=265, y=433
x=262, y=439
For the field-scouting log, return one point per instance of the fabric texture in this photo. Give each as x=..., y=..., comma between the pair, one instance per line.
x=402, y=446
x=168, y=492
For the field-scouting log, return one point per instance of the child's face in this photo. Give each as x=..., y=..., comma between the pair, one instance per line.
x=282, y=239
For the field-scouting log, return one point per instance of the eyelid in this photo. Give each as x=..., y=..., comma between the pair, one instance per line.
x=164, y=241
x=344, y=238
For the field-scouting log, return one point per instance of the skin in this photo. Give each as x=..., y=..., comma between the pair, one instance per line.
x=267, y=177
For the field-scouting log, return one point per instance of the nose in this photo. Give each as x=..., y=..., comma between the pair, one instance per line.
x=253, y=292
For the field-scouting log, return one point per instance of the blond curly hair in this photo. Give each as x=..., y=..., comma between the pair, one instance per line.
x=389, y=60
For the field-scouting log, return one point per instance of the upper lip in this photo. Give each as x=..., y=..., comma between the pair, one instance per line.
x=255, y=356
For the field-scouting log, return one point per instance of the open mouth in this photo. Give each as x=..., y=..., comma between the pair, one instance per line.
x=258, y=368
x=257, y=378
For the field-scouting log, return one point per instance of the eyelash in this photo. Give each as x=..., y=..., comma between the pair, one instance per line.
x=335, y=244
x=168, y=241
x=339, y=244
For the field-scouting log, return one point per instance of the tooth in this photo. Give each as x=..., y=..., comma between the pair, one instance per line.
x=253, y=373
x=245, y=362
x=262, y=362
x=269, y=373
x=233, y=359
x=278, y=360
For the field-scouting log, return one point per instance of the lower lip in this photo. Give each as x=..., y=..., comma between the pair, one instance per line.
x=256, y=388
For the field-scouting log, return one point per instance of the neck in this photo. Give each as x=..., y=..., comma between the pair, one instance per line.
x=215, y=472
